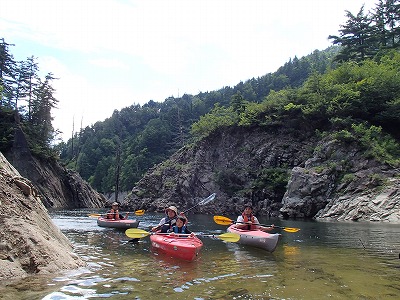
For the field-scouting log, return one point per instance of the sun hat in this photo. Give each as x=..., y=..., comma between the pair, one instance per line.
x=114, y=203
x=173, y=208
x=248, y=205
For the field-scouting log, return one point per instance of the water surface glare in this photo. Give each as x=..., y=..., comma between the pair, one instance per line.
x=324, y=260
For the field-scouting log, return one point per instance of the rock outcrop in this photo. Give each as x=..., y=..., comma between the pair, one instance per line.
x=29, y=241
x=57, y=186
x=325, y=179
x=339, y=183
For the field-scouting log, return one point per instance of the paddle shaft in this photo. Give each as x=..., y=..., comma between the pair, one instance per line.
x=139, y=233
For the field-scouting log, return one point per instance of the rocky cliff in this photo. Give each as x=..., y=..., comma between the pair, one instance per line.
x=285, y=173
x=57, y=186
x=29, y=241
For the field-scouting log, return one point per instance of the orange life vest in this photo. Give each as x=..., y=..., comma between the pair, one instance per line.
x=247, y=219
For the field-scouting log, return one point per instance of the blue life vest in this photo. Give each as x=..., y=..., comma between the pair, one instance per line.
x=183, y=229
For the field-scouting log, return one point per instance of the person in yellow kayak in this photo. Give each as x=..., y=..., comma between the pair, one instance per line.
x=114, y=214
x=248, y=221
x=167, y=222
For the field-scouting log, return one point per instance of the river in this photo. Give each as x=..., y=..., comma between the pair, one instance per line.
x=324, y=260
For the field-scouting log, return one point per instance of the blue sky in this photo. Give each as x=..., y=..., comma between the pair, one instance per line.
x=110, y=54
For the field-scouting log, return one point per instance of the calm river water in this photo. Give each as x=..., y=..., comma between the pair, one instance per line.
x=321, y=261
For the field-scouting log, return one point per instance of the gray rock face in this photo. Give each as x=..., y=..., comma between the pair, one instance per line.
x=29, y=241
x=326, y=179
x=57, y=186
x=339, y=183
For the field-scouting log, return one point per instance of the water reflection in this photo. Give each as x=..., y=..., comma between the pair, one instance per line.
x=322, y=260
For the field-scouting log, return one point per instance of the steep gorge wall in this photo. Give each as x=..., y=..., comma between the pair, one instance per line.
x=327, y=179
x=57, y=186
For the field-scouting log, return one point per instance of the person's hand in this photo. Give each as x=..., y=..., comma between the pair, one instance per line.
x=191, y=234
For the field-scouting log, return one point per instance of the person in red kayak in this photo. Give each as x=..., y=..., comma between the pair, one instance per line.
x=113, y=213
x=167, y=222
x=248, y=221
x=180, y=226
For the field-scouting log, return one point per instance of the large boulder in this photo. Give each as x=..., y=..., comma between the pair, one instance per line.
x=30, y=243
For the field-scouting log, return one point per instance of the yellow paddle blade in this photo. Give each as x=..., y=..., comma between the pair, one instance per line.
x=220, y=220
x=290, y=229
x=229, y=237
x=139, y=212
x=94, y=215
x=135, y=233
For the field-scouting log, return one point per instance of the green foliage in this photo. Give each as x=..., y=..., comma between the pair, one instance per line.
x=273, y=179
x=378, y=145
x=348, y=178
x=364, y=35
x=217, y=118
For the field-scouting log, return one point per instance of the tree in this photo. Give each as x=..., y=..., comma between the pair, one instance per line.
x=238, y=103
x=42, y=104
x=355, y=37
x=7, y=66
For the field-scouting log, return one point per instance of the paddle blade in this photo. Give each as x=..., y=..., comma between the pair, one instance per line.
x=139, y=212
x=94, y=215
x=229, y=237
x=291, y=229
x=135, y=233
x=208, y=199
x=220, y=220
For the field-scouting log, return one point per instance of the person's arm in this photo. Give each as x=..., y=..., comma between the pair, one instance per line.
x=162, y=222
x=267, y=229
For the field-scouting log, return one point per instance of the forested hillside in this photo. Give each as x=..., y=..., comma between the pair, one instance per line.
x=350, y=88
x=137, y=137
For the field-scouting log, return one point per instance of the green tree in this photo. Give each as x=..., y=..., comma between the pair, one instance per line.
x=43, y=102
x=355, y=37
x=7, y=73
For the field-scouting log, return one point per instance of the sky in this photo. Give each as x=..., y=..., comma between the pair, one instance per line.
x=111, y=54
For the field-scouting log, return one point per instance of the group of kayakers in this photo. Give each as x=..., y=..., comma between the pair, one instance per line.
x=177, y=223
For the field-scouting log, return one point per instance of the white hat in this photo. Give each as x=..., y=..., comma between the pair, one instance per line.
x=173, y=208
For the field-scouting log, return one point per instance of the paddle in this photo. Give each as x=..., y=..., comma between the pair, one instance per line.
x=203, y=202
x=139, y=212
x=136, y=233
x=220, y=220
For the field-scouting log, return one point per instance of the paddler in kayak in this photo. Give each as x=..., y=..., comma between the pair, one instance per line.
x=180, y=227
x=167, y=222
x=251, y=221
x=113, y=213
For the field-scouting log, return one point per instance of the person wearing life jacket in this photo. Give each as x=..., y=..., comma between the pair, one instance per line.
x=114, y=214
x=167, y=222
x=180, y=227
x=248, y=221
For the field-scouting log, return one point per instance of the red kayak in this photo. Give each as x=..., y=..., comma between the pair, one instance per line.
x=183, y=247
x=257, y=238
